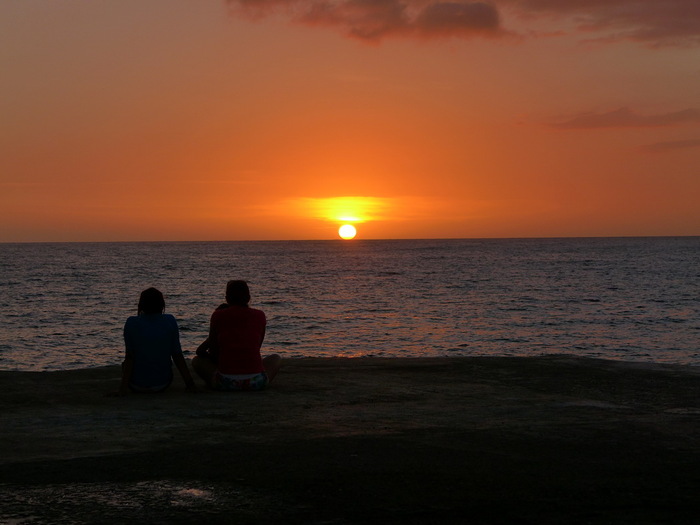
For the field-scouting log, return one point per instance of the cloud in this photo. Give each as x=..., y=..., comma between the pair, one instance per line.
x=674, y=145
x=626, y=118
x=654, y=22
x=456, y=18
x=374, y=20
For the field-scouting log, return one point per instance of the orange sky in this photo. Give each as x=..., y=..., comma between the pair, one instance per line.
x=254, y=119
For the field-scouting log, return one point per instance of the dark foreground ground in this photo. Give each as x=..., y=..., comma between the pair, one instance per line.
x=547, y=440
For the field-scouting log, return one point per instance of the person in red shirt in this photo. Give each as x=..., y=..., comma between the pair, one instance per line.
x=230, y=359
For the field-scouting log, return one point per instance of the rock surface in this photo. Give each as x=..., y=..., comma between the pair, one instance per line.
x=466, y=440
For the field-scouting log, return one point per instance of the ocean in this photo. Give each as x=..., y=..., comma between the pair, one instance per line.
x=63, y=305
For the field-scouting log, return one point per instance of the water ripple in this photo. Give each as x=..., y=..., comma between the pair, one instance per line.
x=64, y=305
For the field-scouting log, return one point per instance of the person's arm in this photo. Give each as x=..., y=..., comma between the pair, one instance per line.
x=179, y=359
x=202, y=350
x=127, y=371
x=128, y=364
x=181, y=365
x=213, y=342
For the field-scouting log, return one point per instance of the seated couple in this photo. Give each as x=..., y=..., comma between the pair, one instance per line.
x=229, y=359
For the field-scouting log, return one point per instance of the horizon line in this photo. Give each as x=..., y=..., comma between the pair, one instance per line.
x=356, y=240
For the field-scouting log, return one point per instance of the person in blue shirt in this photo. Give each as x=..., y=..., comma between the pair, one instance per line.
x=152, y=341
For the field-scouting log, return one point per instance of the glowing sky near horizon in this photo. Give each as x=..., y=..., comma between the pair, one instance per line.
x=283, y=119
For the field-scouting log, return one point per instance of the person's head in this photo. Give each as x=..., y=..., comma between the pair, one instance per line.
x=238, y=293
x=151, y=302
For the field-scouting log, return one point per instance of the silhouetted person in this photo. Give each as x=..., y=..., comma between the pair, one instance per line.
x=152, y=341
x=230, y=357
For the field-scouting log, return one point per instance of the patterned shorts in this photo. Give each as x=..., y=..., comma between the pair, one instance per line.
x=229, y=383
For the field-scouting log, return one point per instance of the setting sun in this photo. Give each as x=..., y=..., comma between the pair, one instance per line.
x=347, y=231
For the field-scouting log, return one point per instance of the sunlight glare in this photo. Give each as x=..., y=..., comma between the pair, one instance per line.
x=347, y=209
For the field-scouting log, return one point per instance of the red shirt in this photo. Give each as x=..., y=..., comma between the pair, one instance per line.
x=237, y=333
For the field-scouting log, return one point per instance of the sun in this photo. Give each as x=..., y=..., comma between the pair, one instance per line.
x=347, y=231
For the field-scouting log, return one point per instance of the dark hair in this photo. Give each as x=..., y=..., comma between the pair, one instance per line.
x=238, y=293
x=151, y=302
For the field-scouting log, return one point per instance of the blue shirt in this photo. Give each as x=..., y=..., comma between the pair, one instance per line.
x=152, y=341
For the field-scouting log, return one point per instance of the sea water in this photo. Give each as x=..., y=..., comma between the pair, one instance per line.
x=63, y=305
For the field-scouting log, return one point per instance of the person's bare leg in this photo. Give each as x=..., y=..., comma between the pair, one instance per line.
x=272, y=364
x=204, y=368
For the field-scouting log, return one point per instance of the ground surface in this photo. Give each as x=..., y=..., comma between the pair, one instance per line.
x=467, y=440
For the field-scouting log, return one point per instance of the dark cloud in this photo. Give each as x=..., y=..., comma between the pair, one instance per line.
x=626, y=118
x=674, y=145
x=373, y=20
x=457, y=18
x=364, y=19
x=655, y=22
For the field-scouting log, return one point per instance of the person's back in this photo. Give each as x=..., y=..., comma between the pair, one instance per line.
x=240, y=331
x=152, y=340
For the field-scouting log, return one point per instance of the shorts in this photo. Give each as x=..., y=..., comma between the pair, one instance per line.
x=237, y=383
